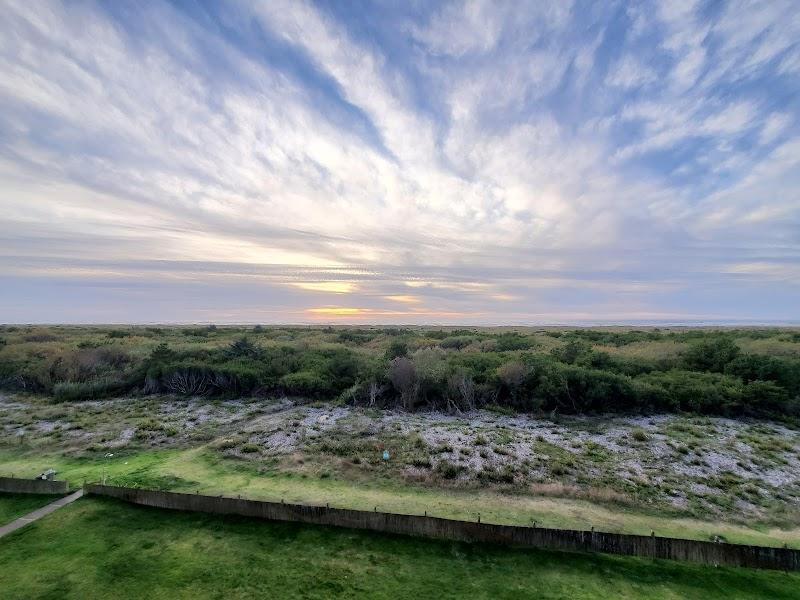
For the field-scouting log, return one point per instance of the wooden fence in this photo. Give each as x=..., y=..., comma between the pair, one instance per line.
x=709, y=553
x=32, y=486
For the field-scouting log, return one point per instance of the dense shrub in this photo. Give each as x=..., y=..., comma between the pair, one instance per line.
x=615, y=338
x=704, y=393
x=358, y=336
x=40, y=337
x=508, y=342
x=402, y=374
x=397, y=348
x=243, y=348
x=767, y=398
x=482, y=366
x=71, y=391
x=503, y=371
x=436, y=334
x=456, y=342
x=711, y=355
x=575, y=389
x=195, y=378
x=784, y=372
x=571, y=351
x=304, y=383
x=449, y=470
x=491, y=475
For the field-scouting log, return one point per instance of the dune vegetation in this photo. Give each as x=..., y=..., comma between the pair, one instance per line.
x=731, y=372
x=617, y=428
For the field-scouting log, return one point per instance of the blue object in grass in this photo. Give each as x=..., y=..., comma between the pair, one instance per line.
x=385, y=455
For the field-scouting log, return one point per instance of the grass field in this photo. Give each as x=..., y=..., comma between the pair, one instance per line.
x=99, y=548
x=199, y=470
x=13, y=506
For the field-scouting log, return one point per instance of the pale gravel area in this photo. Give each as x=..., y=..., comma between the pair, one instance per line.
x=655, y=461
x=677, y=458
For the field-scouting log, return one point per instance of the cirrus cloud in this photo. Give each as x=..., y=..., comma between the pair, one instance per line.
x=291, y=161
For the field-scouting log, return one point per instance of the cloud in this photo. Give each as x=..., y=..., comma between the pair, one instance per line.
x=336, y=287
x=733, y=119
x=775, y=125
x=630, y=72
x=404, y=298
x=503, y=161
x=457, y=29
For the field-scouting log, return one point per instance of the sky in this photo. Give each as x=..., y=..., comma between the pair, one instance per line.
x=480, y=162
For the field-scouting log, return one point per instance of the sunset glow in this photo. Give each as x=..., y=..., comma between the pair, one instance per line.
x=494, y=162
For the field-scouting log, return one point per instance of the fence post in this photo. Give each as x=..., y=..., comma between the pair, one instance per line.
x=786, y=561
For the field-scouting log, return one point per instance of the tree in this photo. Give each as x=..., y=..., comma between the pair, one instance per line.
x=512, y=375
x=461, y=388
x=431, y=369
x=403, y=376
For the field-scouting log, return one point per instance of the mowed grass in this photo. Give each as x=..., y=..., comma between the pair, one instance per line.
x=198, y=470
x=102, y=548
x=13, y=506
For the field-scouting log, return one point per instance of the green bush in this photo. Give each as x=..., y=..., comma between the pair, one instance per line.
x=90, y=390
x=576, y=389
x=449, y=470
x=304, y=383
x=491, y=475
x=783, y=371
x=509, y=342
x=396, y=349
x=505, y=372
x=768, y=398
x=244, y=348
x=711, y=354
x=703, y=393
x=456, y=342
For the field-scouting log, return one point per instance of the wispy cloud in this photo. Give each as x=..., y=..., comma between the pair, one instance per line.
x=480, y=162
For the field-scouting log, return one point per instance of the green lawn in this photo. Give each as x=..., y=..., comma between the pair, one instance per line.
x=13, y=506
x=197, y=469
x=101, y=548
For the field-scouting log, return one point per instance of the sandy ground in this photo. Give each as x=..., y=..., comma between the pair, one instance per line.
x=673, y=459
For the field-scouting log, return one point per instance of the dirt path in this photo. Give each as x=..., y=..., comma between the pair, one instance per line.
x=39, y=513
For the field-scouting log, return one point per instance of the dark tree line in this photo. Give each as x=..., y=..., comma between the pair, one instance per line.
x=457, y=371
